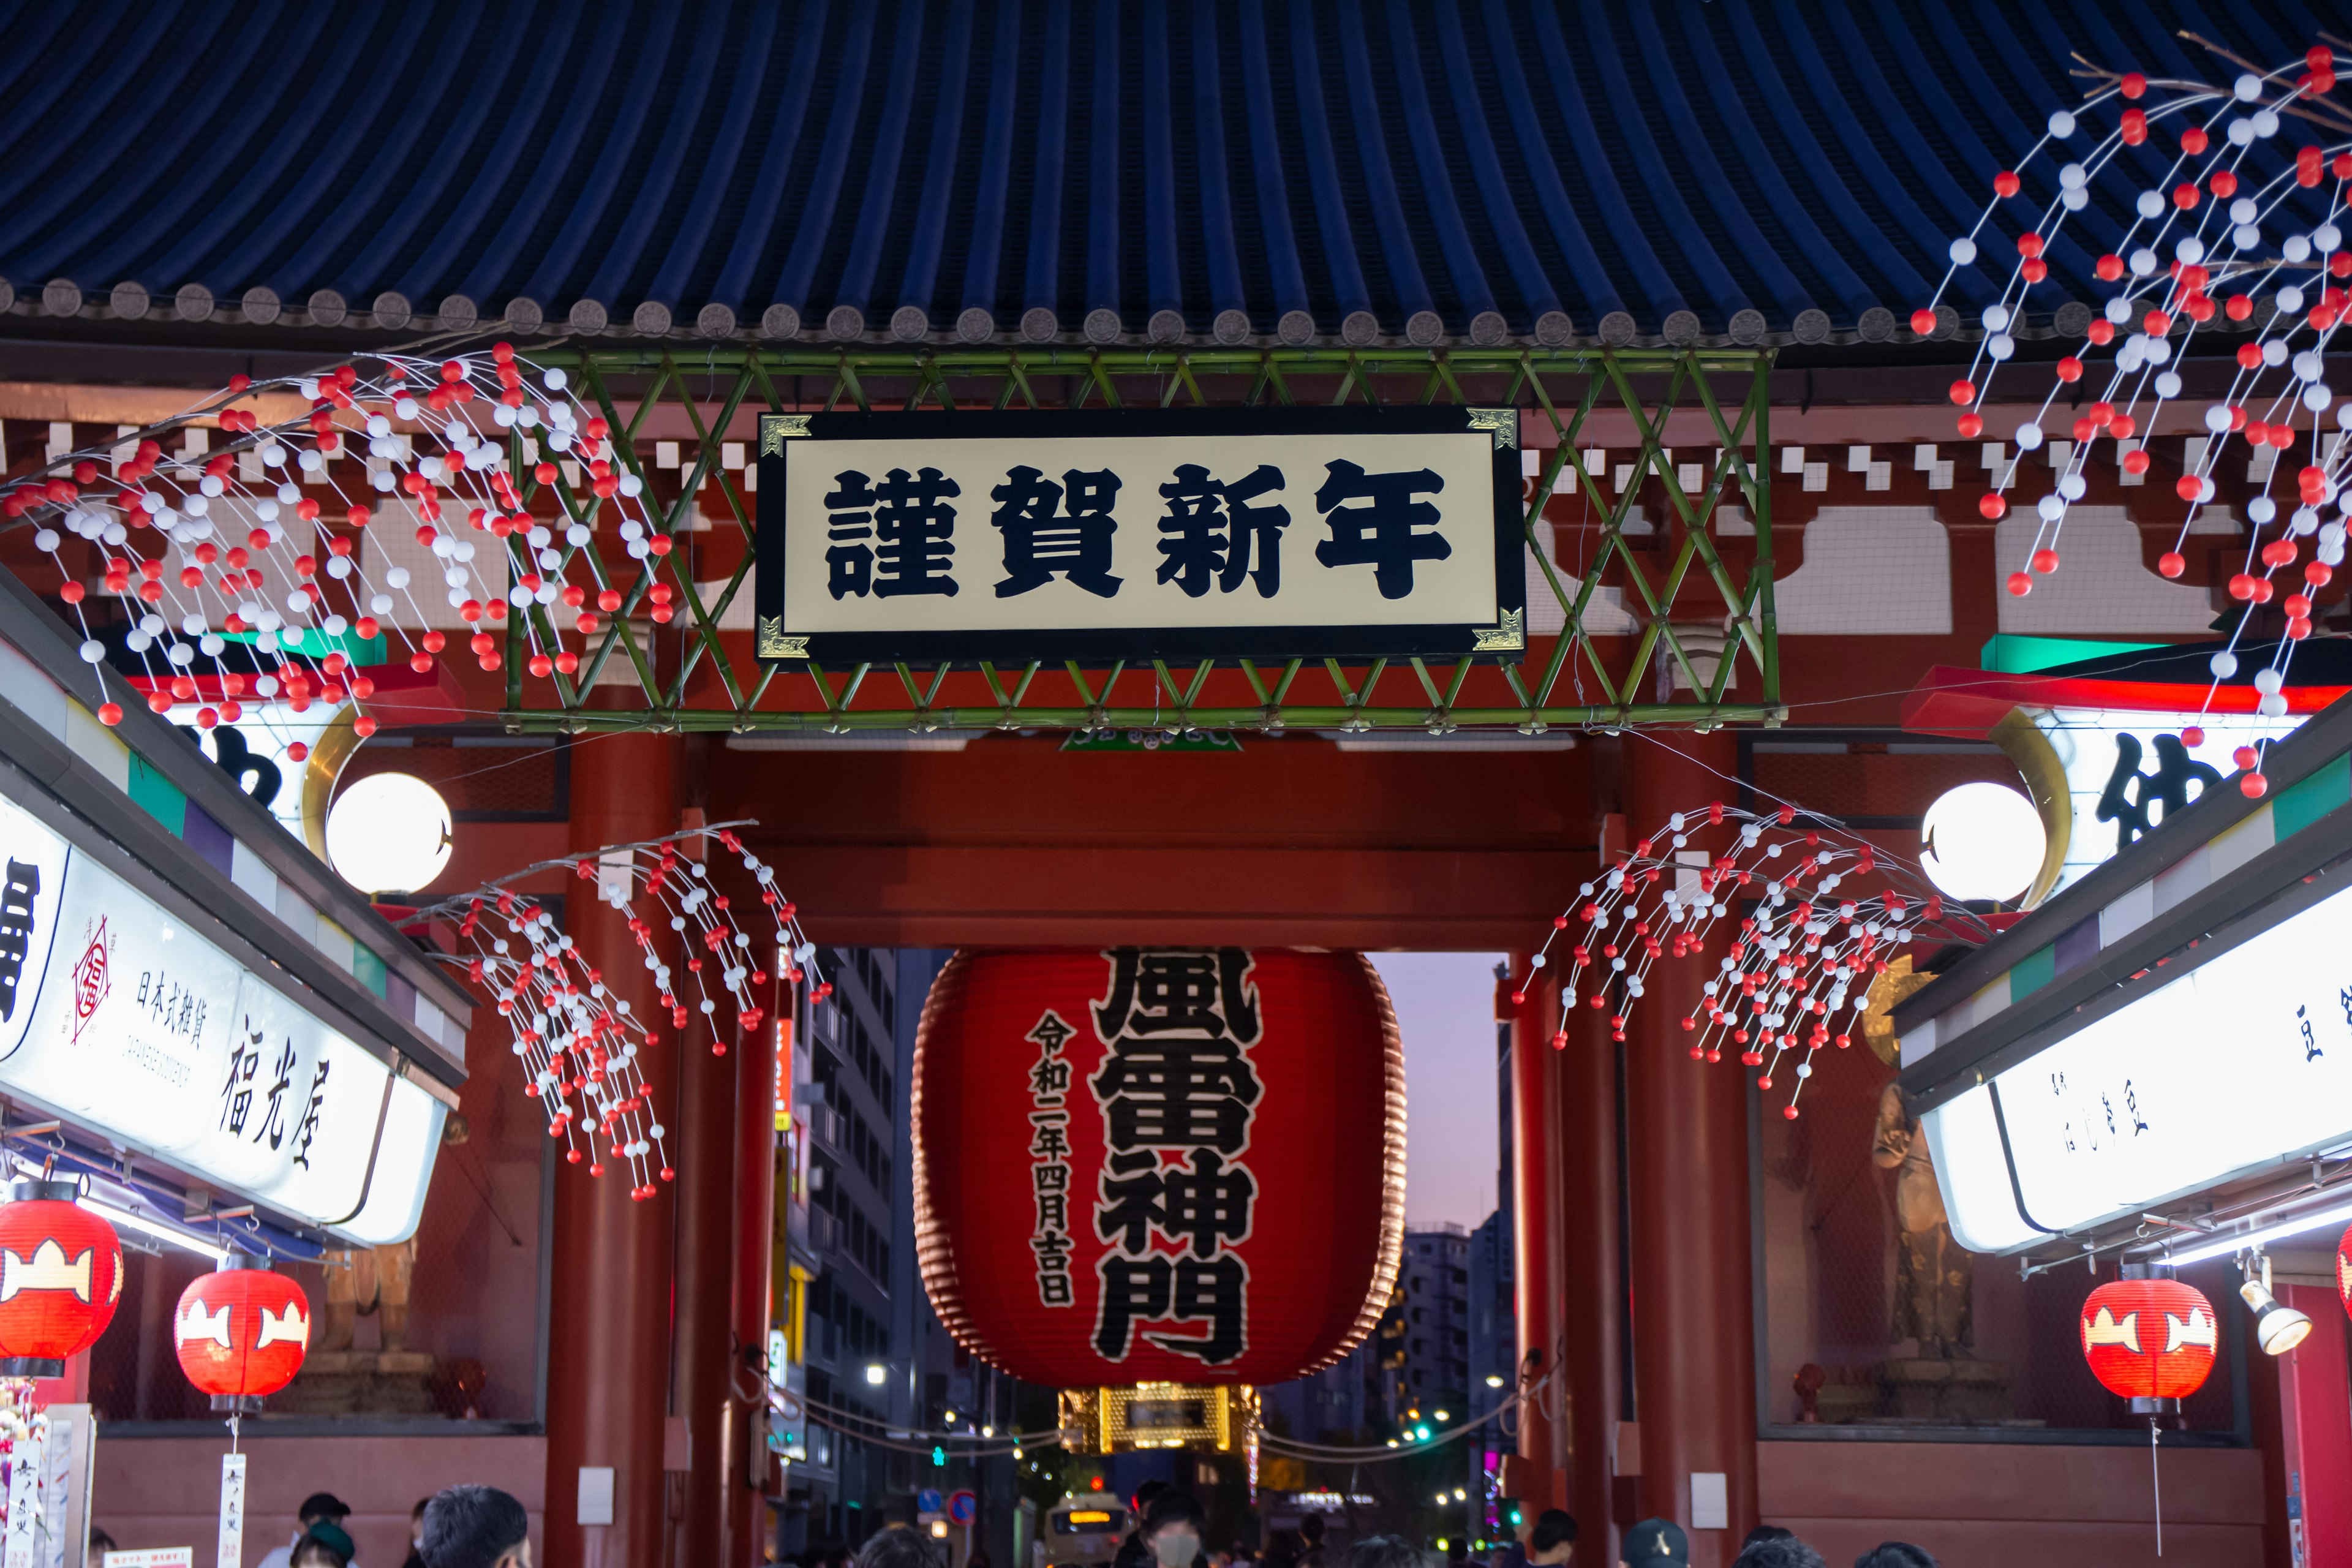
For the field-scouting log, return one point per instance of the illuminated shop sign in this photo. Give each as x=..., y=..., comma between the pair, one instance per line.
x=116, y=1016
x=2243, y=1062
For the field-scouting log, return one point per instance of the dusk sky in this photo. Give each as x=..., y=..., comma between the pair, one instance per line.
x=1446, y=1009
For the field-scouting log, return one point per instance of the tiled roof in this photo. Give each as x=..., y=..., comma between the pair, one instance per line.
x=1224, y=171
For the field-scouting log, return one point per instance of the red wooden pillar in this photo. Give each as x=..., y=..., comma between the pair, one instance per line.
x=608, y=1323
x=755, y=1218
x=702, y=1352
x=1534, y=1181
x=1593, y=1294
x=1694, y=1332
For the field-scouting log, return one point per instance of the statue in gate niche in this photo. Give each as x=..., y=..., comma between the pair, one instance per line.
x=1932, y=1272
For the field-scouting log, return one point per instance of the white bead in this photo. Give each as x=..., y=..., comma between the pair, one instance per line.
x=1996, y=317
x=2243, y=210
x=2028, y=435
x=2051, y=509
x=2327, y=237
x=2305, y=522
x=2240, y=133
x=2309, y=366
x=2273, y=706
x=2168, y=385
x=2261, y=509
x=2296, y=248
x=2246, y=236
x=2118, y=309
x=2000, y=345
x=2217, y=418
x=2072, y=487
x=92, y=651
x=2061, y=124
x=2316, y=397
x=2151, y=205
x=1962, y=251
x=2190, y=249
x=378, y=605
x=2274, y=352
x=2267, y=680
x=556, y=380
x=2143, y=262
x=46, y=540
x=2072, y=176
x=2266, y=123
x=2075, y=200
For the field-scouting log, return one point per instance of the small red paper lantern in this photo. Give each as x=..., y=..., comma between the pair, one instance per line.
x=2344, y=1268
x=2150, y=1339
x=61, y=1276
x=1145, y=1164
x=242, y=1331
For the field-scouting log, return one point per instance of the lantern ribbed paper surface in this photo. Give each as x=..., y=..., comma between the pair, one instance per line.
x=242, y=1332
x=2150, y=1339
x=61, y=1276
x=1181, y=1164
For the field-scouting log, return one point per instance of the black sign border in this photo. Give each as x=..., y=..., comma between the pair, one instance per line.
x=1143, y=643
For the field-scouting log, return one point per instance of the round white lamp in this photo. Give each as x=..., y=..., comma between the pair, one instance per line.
x=1982, y=841
x=388, y=833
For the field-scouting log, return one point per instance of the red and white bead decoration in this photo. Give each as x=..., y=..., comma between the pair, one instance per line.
x=2213, y=239
x=1796, y=975
x=459, y=450
x=579, y=1043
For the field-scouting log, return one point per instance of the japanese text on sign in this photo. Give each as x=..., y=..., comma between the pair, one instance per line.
x=905, y=526
x=1177, y=1094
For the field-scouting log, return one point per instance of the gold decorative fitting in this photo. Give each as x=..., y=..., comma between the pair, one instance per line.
x=1511, y=637
x=776, y=428
x=1503, y=422
x=774, y=644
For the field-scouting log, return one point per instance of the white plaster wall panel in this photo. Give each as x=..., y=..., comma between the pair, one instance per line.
x=1870, y=571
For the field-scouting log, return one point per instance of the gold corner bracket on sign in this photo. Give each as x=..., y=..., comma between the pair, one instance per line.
x=1511, y=637
x=776, y=430
x=774, y=644
x=1503, y=422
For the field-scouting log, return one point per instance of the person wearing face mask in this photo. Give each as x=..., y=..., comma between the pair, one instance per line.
x=1171, y=1530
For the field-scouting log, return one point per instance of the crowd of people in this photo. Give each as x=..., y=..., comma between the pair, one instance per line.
x=463, y=1527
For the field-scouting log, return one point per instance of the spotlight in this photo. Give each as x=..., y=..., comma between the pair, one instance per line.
x=875, y=1373
x=2277, y=1329
x=1494, y=1381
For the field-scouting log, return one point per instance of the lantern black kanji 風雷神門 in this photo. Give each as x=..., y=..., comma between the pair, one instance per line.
x=1140, y=1165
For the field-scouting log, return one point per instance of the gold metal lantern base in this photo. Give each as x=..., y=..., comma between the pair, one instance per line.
x=1120, y=1419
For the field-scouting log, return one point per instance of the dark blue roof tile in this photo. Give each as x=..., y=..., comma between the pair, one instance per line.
x=1212, y=169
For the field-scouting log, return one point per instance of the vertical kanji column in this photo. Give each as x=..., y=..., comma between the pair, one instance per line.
x=608, y=1321
x=1693, y=1322
x=1592, y=1299
x=1535, y=1183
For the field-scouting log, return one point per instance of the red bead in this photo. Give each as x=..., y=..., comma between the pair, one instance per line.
x=1923, y=322
x=2020, y=584
x=2192, y=736
x=2253, y=786
x=2172, y=563
x=2046, y=561
x=1993, y=505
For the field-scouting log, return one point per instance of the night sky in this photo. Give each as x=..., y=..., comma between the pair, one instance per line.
x=1445, y=1008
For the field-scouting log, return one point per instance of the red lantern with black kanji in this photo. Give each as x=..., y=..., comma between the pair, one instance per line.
x=1158, y=1164
x=61, y=1276
x=2150, y=1339
x=241, y=1332
x=2344, y=1269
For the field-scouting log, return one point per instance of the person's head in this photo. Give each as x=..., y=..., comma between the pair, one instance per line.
x=1310, y=1529
x=1783, y=1551
x=1385, y=1551
x=100, y=1544
x=1896, y=1554
x=1656, y=1544
x=1553, y=1540
x=416, y=1522
x=1767, y=1533
x=1140, y=1503
x=324, y=1546
x=475, y=1527
x=896, y=1546
x=324, y=1506
x=1171, y=1529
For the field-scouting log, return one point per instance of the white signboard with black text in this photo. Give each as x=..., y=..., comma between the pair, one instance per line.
x=1111, y=534
x=118, y=1018
x=2239, y=1064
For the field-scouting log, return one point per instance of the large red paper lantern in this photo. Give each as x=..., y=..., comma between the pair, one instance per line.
x=2344, y=1268
x=241, y=1332
x=2150, y=1339
x=1148, y=1164
x=61, y=1276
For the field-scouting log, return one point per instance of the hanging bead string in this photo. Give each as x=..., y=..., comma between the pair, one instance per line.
x=1797, y=973
x=2183, y=260
x=445, y=442
x=580, y=1044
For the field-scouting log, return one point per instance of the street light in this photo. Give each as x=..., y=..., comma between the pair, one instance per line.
x=877, y=1374
x=1442, y=1416
x=1494, y=1380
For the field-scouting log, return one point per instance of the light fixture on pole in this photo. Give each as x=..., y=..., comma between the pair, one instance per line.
x=388, y=833
x=2277, y=1329
x=1982, y=840
x=877, y=1374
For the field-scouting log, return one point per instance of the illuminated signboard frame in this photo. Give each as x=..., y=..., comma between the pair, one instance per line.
x=1392, y=532
x=2142, y=1037
x=125, y=899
